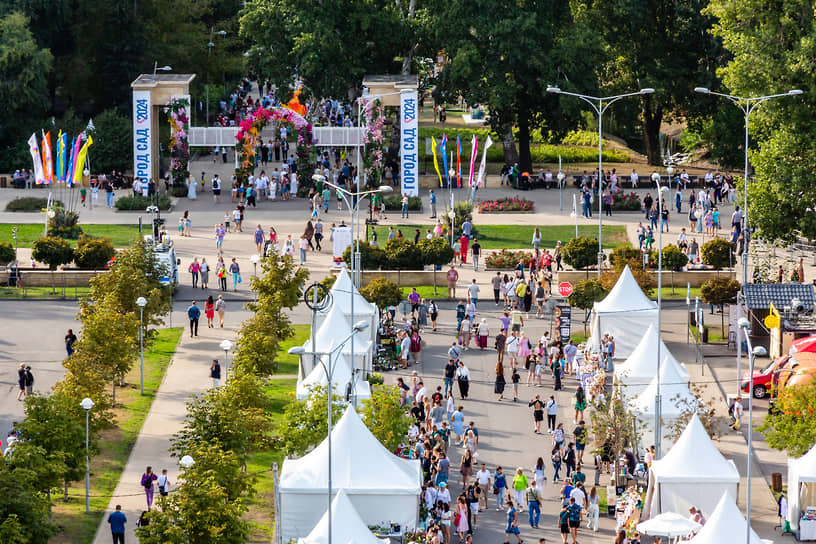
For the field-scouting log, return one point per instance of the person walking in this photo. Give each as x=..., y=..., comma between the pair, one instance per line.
x=483, y=477
x=475, y=253
x=194, y=269
x=563, y=523
x=259, y=239
x=512, y=524
x=147, y=483
x=533, y=504
x=204, y=270
x=452, y=277
x=538, y=413
x=215, y=373
x=463, y=379
x=29, y=381
x=500, y=381
x=21, y=382
x=580, y=404
x=163, y=484
x=209, y=311
x=221, y=273
x=70, y=338
x=500, y=487
x=235, y=270
x=221, y=309
x=193, y=313
x=575, y=516
x=555, y=458
x=552, y=412
x=593, y=510
x=519, y=487
x=433, y=204
x=117, y=522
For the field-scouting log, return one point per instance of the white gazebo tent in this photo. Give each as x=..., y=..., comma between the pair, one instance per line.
x=725, y=524
x=623, y=313
x=692, y=473
x=675, y=398
x=381, y=486
x=801, y=486
x=334, y=329
x=342, y=292
x=641, y=366
x=341, y=376
x=347, y=526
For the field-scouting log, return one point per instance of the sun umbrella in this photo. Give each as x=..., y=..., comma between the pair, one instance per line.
x=669, y=524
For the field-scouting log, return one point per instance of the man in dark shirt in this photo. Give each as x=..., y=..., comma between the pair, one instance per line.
x=501, y=341
x=450, y=373
x=117, y=522
x=475, y=250
x=70, y=338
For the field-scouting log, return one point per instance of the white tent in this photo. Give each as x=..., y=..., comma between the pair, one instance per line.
x=381, y=486
x=335, y=329
x=342, y=292
x=801, y=486
x=692, y=473
x=623, y=313
x=725, y=524
x=347, y=526
x=675, y=398
x=341, y=376
x=641, y=366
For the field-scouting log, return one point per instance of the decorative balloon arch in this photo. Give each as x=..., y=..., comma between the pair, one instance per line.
x=249, y=134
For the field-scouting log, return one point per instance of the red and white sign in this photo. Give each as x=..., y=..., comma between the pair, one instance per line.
x=565, y=288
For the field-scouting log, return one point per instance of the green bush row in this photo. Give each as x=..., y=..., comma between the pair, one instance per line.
x=394, y=203
x=541, y=153
x=94, y=253
x=402, y=254
x=140, y=203
x=30, y=204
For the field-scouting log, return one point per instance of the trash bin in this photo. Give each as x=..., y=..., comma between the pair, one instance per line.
x=705, y=335
x=776, y=481
x=3, y=182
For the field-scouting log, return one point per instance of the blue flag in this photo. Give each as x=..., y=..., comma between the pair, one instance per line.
x=443, y=148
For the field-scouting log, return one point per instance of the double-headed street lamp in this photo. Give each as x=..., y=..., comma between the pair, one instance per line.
x=87, y=404
x=255, y=259
x=760, y=351
x=600, y=105
x=141, y=302
x=329, y=370
x=226, y=345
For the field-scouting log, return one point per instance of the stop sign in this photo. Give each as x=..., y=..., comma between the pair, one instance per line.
x=565, y=288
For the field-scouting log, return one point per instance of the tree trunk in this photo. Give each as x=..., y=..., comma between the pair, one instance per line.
x=651, y=129
x=525, y=159
x=509, y=143
x=409, y=54
x=65, y=490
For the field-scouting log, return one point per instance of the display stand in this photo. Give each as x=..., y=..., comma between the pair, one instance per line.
x=627, y=511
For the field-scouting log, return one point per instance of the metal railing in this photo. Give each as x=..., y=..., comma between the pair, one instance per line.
x=338, y=136
x=212, y=136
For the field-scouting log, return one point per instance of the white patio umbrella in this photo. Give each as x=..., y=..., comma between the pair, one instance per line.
x=669, y=524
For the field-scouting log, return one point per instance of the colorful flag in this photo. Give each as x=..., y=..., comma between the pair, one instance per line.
x=70, y=154
x=443, y=148
x=458, y=162
x=474, y=150
x=79, y=167
x=482, y=166
x=58, y=158
x=35, y=156
x=62, y=158
x=436, y=162
x=48, y=158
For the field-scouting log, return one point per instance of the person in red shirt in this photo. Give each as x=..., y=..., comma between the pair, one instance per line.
x=463, y=249
x=452, y=275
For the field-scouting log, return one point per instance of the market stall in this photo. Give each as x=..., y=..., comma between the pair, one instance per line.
x=343, y=293
x=382, y=487
x=640, y=367
x=623, y=313
x=725, y=524
x=591, y=374
x=334, y=329
x=341, y=377
x=347, y=526
x=628, y=507
x=692, y=473
x=802, y=495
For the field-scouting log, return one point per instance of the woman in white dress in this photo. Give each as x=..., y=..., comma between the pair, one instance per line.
x=273, y=189
x=191, y=188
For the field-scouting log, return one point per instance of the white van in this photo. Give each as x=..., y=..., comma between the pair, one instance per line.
x=166, y=256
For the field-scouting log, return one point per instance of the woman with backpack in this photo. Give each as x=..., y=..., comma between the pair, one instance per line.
x=580, y=404
x=147, y=483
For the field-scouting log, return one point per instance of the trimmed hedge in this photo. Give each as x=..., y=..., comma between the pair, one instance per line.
x=7, y=253
x=140, y=203
x=30, y=204
x=394, y=203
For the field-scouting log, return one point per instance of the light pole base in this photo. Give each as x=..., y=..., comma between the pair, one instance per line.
x=600, y=263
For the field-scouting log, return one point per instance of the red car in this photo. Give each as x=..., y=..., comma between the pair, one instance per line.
x=764, y=379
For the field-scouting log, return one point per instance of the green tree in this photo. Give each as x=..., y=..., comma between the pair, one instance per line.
x=402, y=254
x=93, y=252
x=7, y=253
x=435, y=252
x=641, y=275
x=382, y=293
x=791, y=426
x=25, y=476
x=623, y=254
x=371, y=257
x=719, y=291
x=585, y=294
x=113, y=142
x=718, y=253
x=304, y=423
x=581, y=253
x=614, y=420
x=385, y=418
x=52, y=251
x=673, y=258
x=24, y=68
x=208, y=504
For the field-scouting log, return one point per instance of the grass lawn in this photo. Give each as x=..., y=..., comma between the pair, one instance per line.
x=679, y=292
x=115, y=444
x=427, y=291
x=45, y=292
x=27, y=233
x=519, y=236
x=288, y=364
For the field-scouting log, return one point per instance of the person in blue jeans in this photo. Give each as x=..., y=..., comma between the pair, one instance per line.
x=404, y=206
x=235, y=270
x=117, y=522
x=512, y=524
x=556, y=461
x=499, y=487
x=533, y=505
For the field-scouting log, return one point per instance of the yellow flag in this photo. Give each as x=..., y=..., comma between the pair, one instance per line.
x=436, y=163
x=79, y=167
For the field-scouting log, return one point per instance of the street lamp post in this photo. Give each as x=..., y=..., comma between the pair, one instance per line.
x=186, y=462
x=600, y=105
x=255, y=259
x=162, y=68
x=329, y=370
x=87, y=404
x=658, y=396
x=141, y=302
x=210, y=45
x=561, y=177
x=745, y=325
x=226, y=345
x=746, y=105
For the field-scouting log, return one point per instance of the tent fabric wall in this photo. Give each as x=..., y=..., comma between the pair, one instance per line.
x=640, y=367
x=341, y=376
x=801, y=486
x=342, y=292
x=725, y=524
x=382, y=486
x=692, y=473
x=346, y=524
x=335, y=329
x=623, y=313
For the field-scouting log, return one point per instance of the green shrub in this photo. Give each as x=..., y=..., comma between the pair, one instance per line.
x=402, y=254
x=586, y=293
x=463, y=211
x=626, y=202
x=140, y=203
x=93, y=253
x=717, y=253
x=30, y=204
x=581, y=137
x=673, y=258
x=52, y=251
x=394, y=203
x=371, y=257
x=623, y=254
x=581, y=253
x=178, y=191
x=436, y=251
x=64, y=224
x=549, y=153
x=375, y=378
x=719, y=291
x=382, y=293
x=7, y=253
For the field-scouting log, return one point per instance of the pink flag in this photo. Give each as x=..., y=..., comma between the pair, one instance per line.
x=474, y=146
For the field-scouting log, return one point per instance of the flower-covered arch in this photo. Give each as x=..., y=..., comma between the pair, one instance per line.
x=177, y=115
x=249, y=132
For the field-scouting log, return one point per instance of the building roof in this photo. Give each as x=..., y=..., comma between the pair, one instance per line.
x=145, y=81
x=758, y=296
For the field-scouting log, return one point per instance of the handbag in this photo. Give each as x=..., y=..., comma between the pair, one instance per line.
x=456, y=519
x=239, y=279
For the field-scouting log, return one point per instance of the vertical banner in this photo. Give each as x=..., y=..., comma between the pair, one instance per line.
x=458, y=162
x=409, y=151
x=39, y=177
x=436, y=162
x=48, y=161
x=474, y=147
x=443, y=149
x=142, y=137
x=482, y=166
